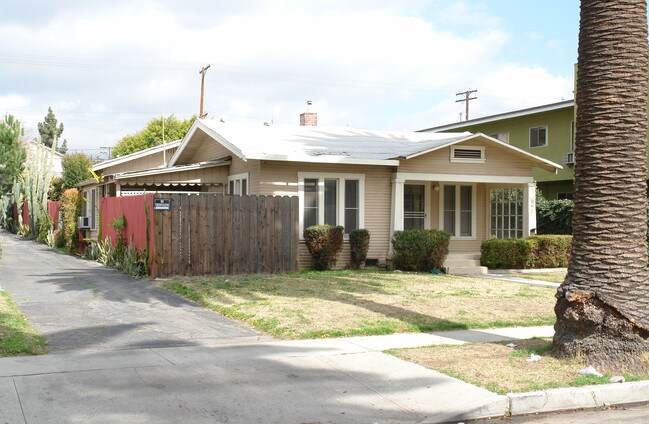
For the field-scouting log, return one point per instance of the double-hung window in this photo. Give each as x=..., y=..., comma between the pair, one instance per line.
x=238, y=184
x=331, y=199
x=539, y=136
x=458, y=210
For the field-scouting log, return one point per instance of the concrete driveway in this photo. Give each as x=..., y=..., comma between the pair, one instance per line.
x=81, y=305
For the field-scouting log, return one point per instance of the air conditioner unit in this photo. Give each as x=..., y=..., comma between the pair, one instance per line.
x=83, y=223
x=569, y=158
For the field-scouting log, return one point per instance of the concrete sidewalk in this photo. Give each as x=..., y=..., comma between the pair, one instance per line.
x=347, y=380
x=331, y=380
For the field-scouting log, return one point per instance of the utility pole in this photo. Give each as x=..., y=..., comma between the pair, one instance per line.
x=203, y=71
x=466, y=97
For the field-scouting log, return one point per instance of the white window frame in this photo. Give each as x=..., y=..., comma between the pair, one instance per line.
x=340, y=200
x=89, y=206
x=458, y=217
x=468, y=160
x=547, y=136
x=238, y=179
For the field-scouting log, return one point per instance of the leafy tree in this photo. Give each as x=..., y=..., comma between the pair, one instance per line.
x=174, y=129
x=50, y=133
x=12, y=152
x=602, y=306
x=76, y=168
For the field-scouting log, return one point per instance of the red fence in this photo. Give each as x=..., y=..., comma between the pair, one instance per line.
x=133, y=209
x=53, y=212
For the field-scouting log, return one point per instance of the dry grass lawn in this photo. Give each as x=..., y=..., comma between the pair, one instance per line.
x=503, y=370
x=343, y=303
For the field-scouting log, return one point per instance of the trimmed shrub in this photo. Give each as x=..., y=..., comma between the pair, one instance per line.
x=420, y=250
x=550, y=251
x=324, y=243
x=44, y=224
x=359, y=243
x=508, y=253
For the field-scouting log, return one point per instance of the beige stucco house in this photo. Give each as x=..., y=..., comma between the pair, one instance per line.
x=470, y=185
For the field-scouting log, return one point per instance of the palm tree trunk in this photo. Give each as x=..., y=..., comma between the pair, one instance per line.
x=603, y=305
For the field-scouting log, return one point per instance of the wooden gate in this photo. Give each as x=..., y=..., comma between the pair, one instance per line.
x=226, y=234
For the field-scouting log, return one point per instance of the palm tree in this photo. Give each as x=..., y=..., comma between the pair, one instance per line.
x=603, y=305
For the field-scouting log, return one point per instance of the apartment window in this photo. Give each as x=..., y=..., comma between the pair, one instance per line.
x=458, y=210
x=331, y=199
x=501, y=136
x=414, y=212
x=539, y=136
x=238, y=184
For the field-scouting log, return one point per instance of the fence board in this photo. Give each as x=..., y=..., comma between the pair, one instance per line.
x=224, y=234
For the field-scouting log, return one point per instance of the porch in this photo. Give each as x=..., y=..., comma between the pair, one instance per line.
x=472, y=208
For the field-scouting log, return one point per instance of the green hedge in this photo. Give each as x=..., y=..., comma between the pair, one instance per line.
x=324, y=243
x=420, y=250
x=548, y=251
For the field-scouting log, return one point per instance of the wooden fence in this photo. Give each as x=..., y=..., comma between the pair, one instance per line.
x=224, y=234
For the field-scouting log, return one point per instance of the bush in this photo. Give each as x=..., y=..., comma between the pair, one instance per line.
x=59, y=238
x=508, y=253
x=359, y=243
x=45, y=224
x=71, y=210
x=420, y=250
x=531, y=252
x=553, y=216
x=324, y=243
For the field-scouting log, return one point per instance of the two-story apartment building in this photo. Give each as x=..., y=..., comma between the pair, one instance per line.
x=546, y=131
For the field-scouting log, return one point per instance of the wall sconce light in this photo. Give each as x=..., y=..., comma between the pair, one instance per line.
x=436, y=188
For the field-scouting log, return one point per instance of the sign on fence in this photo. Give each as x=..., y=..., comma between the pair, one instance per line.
x=161, y=204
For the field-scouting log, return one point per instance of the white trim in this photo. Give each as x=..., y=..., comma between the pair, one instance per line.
x=468, y=160
x=464, y=178
x=340, y=206
x=458, y=214
x=326, y=159
x=198, y=124
x=137, y=155
x=170, y=170
x=507, y=115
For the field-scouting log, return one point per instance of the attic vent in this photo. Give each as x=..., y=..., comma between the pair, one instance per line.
x=467, y=154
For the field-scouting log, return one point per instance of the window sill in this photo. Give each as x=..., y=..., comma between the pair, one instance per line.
x=453, y=238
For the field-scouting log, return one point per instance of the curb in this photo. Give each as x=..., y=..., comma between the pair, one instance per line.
x=577, y=397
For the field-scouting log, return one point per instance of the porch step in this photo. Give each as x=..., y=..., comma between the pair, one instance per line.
x=464, y=264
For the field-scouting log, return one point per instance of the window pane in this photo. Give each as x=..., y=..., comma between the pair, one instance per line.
x=351, y=205
x=351, y=193
x=237, y=187
x=466, y=210
x=244, y=186
x=331, y=189
x=449, y=209
x=310, y=193
x=231, y=189
x=310, y=202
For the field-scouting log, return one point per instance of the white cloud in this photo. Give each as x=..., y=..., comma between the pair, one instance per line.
x=377, y=64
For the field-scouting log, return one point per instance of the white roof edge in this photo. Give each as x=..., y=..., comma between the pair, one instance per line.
x=506, y=115
x=136, y=155
x=198, y=123
x=327, y=159
x=170, y=170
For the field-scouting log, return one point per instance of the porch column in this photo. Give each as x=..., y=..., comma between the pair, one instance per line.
x=396, y=215
x=529, y=209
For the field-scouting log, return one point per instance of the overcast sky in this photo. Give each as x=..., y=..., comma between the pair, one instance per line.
x=107, y=68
